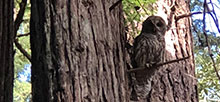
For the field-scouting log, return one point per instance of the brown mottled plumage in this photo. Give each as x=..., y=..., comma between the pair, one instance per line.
x=148, y=49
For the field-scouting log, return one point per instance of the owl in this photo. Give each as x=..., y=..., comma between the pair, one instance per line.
x=148, y=50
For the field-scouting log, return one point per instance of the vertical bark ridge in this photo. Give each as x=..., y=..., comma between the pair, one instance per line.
x=84, y=51
x=6, y=50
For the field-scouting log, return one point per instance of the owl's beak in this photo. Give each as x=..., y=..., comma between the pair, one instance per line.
x=155, y=27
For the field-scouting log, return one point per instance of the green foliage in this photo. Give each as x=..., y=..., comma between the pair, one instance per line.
x=22, y=91
x=134, y=10
x=208, y=82
x=19, y=59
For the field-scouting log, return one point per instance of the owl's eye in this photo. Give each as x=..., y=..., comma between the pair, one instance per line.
x=159, y=24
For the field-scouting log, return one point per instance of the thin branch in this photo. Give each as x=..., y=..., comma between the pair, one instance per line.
x=214, y=92
x=17, y=23
x=206, y=37
x=22, y=50
x=214, y=17
x=216, y=6
x=158, y=65
x=20, y=15
x=21, y=35
x=187, y=15
x=142, y=7
x=114, y=5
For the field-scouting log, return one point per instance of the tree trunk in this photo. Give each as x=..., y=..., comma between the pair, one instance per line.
x=176, y=82
x=77, y=51
x=6, y=50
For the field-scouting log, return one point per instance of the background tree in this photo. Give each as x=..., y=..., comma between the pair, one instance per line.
x=77, y=51
x=6, y=50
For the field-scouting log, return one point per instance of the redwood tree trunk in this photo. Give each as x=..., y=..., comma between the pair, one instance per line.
x=6, y=50
x=176, y=82
x=77, y=51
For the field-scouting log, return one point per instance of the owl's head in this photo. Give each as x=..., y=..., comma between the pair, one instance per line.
x=154, y=24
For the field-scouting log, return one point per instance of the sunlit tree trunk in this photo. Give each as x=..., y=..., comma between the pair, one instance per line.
x=176, y=82
x=6, y=50
x=77, y=51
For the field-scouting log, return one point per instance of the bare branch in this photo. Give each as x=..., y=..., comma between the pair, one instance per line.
x=17, y=23
x=187, y=15
x=214, y=17
x=20, y=15
x=142, y=7
x=114, y=5
x=22, y=50
x=157, y=65
x=207, y=41
x=21, y=35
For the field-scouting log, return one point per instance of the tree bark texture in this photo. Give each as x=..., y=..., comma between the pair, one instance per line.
x=176, y=82
x=6, y=50
x=77, y=51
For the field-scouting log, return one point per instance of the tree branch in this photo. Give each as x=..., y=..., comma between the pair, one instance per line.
x=17, y=23
x=21, y=35
x=187, y=15
x=22, y=50
x=114, y=5
x=20, y=15
x=157, y=65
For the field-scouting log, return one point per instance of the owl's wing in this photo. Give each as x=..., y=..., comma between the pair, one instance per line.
x=144, y=46
x=143, y=49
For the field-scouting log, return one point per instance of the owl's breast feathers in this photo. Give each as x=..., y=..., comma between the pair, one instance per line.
x=148, y=48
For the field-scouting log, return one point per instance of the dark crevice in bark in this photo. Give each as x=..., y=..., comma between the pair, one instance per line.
x=105, y=14
x=196, y=89
x=172, y=85
x=176, y=50
x=182, y=79
x=66, y=54
x=112, y=84
x=80, y=90
x=182, y=51
x=73, y=89
x=104, y=96
x=93, y=33
x=88, y=74
x=116, y=64
x=164, y=85
x=104, y=68
x=88, y=98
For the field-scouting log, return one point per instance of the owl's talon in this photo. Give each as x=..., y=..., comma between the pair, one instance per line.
x=148, y=65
